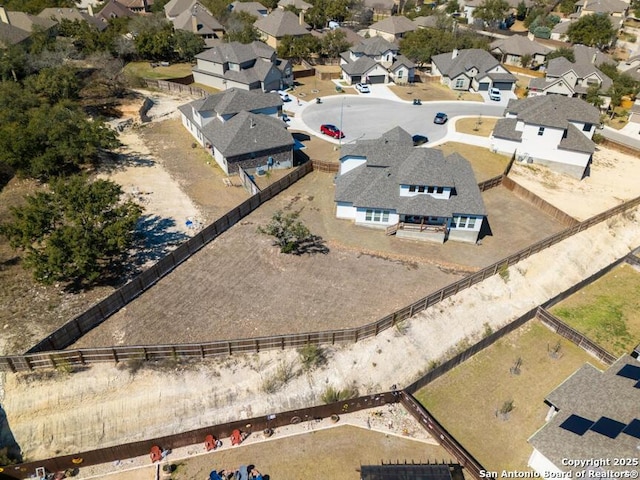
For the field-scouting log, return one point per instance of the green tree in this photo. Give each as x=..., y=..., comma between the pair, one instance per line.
x=240, y=28
x=593, y=96
x=76, y=232
x=13, y=62
x=525, y=60
x=422, y=44
x=36, y=6
x=154, y=38
x=565, y=52
x=298, y=47
x=453, y=6
x=491, y=11
x=55, y=84
x=521, y=10
x=187, y=45
x=567, y=6
x=635, y=8
x=334, y=43
x=623, y=83
x=289, y=232
x=592, y=30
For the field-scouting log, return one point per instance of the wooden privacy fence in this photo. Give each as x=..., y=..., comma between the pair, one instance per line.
x=74, y=329
x=561, y=328
x=194, y=437
x=441, y=435
x=248, y=182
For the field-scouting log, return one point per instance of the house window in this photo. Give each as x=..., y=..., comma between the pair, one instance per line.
x=440, y=190
x=430, y=190
x=472, y=222
x=587, y=127
x=463, y=222
x=385, y=216
x=455, y=221
x=412, y=188
x=540, y=131
x=421, y=189
x=368, y=215
x=377, y=215
x=459, y=83
x=400, y=73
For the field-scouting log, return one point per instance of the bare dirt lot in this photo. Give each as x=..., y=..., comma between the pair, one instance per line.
x=430, y=91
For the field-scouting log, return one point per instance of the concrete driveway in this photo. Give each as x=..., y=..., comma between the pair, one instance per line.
x=369, y=117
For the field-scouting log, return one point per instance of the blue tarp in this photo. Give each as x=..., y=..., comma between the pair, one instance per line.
x=214, y=476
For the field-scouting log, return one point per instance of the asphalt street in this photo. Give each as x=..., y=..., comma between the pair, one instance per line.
x=368, y=117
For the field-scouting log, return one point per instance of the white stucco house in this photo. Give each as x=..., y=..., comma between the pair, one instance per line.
x=473, y=69
x=376, y=60
x=550, y=130
x=414, y=192
x=240, y=128
x=593, y=415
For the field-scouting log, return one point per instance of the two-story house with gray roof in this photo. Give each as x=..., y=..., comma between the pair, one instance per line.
x=376, y=60
x=279, y=24
x=550, y=130
x=511, y=50
x=240, y=128
x=472, y=68
x=252, y=66
x=414, y=192
x=199, y=21
x=574, y=79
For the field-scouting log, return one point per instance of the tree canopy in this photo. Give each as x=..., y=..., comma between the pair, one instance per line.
x=623, y=83
x=491, y=11
x=76, y=232
x=422, y=44
x=565, y=52
x=593, y=30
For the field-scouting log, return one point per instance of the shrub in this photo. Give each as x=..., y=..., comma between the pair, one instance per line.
x=331, y=394
x=311, y=356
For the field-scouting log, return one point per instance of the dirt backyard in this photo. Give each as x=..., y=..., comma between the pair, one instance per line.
x=241, y=286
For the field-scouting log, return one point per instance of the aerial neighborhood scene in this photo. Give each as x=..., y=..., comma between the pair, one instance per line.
x=319, y=239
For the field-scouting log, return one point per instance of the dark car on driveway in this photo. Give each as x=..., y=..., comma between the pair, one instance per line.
x=419, y=140
x=331, y=130
x=440, y=118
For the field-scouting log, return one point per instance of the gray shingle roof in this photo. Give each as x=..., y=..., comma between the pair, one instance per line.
x=465, y=60
x=71, y=14
x=576, y=141
x=173, y=8
x=25, y=21
x=603, y=6
x=517, y=45
x=506, y=128
x=558, y=67
x=299, y=4
x=235, y=100
x=394, y=25
x=585, y=55
x=391, y=161
x=553, y=110
x=374, y=46
x=430, y=21
x=246, y=133
x=236, y=52
x=252, y=8
x=114, y=9
x=280, y=23
x=360, y=66
x=207, y=24
x=10, y=35
x=591, y=394
x=402, y=60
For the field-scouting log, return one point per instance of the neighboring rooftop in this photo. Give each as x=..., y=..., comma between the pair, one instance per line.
x=255, y=9
x=280, y=23
x=205, y=23
x=173, y=8
x=598, y=416
x=394, y=25
x=519, y=45
x=457, y=62
x=235, y=100
x=374, y=46
x=298, y=4
x=236, y=52
x=553, y=110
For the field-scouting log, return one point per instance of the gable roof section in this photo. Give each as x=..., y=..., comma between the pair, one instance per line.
x=400, y=61
x=590, y=55
x=71, y=14
x=246, y=133
x=173, y=8
x=10, y=35
x=236, y=100
x=391, y=160
x=27, y=22
x=576, y=141
x=593, y=395
x=430, y=21
x=114, y=9
x=394, y=25
x=280, y=23
x=252, y=8
x=560, y=66
x=603, y=6
x=518, y=45
x=374, y=46
x=236, y=52
x=359, y=66
x=299, y=4
x=465, y=60
x=207, y=23
x=553, y=110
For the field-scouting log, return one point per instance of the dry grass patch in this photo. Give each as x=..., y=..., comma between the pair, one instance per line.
x=607, y=311
x=476, y=126
x=432, y=91
x=145, y=70
x=336, y=452
x=485, y=163
x=483, y=385
x=204, y=87
x=309, y=88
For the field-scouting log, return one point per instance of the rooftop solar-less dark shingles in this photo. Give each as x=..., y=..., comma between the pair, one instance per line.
x=630, y=371
x=608, y=427
x=577, y=424
x=633, y=428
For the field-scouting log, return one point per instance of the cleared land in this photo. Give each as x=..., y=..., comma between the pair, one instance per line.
x=431, y=91
x=607, y=311
x=485, y=163
x=480, y=387
x=145, y=70
x=241, y=286
x=476, y=126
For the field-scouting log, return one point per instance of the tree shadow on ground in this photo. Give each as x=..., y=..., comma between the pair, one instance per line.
x=112, y=162
x=8, y=441
x=6, y=174
x=312, y=245
x=156, y=238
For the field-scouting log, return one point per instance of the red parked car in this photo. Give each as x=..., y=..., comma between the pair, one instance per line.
x=331, y=130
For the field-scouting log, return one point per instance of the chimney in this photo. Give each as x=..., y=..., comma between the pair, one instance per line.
x=3, y=16
x=194, y=19
x=454, y=54
x=90, y=8
x=301, y=17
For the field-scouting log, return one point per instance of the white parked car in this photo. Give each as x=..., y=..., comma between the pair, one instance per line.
x=494, y=94
x=362, y=88
x=284, y=96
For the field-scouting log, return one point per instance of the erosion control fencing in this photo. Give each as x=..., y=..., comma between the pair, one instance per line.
x=252, y=426
x=83, y=323
x=441, y=435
